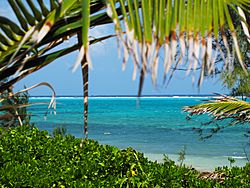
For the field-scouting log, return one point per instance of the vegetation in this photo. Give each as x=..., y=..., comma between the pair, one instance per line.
x=230, y=109
x=237, y=177
x=33, y=158
x=186, y=30
x=15, y=112
x=143, y=28
x=13, y=109
x=223, y=108
x=236, y=79
x=238, y=82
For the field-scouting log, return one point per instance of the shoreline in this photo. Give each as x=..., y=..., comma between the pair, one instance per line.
x=200, y=163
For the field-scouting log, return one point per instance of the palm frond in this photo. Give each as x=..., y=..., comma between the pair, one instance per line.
x=34, y=64
x=26, y=46
x=223, y=108
x=15, y=59
x=195, y=24
x=33, y=29
x=12, y=108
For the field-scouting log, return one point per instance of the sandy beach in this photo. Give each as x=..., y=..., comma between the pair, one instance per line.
x=198, y=162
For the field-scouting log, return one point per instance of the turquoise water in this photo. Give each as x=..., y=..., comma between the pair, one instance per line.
x=156, y=127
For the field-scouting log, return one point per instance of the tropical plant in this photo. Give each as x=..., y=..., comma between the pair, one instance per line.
x=13, y=106
x=36, y=159
x=185, y=29
x=236, y=80
x=28, y=46
x=223, y=108
x=15, y=116
x=224, y=112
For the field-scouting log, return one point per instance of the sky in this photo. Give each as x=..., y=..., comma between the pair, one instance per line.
x=107, y=77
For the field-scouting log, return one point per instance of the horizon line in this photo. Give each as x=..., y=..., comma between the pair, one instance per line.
x=172, y=95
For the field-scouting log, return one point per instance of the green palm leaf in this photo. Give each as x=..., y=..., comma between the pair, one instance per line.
x=159, y=24
x=32, y=30
x=195, y=24
x=26, y=47
x=65, y=27
x=60, y=23
x=223, y=108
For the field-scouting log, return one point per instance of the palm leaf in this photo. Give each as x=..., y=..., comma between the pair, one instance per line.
x=174, y=20
x=15, y=107
x=54, y=27
x=28, y=48
x=195, y=24
x=34, y=64
x=223, y=108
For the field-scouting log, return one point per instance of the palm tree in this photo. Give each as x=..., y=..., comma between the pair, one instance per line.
x=187, y=30
x=26, y=46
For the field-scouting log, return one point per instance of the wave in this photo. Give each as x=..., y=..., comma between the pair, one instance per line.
x=150, y=97
x=127, y=97
x=107, y=133
x=235, y=157
x=239, y=157
x=56, y=98
x=38, y=98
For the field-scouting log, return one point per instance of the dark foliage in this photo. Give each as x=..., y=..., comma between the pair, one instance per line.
x=13, y=110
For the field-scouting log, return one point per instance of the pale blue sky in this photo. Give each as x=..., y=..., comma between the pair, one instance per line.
x=107, y=77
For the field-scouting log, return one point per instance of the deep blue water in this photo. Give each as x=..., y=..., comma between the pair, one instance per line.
x=157, y=126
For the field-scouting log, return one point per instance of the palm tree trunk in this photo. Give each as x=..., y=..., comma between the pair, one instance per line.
x=85, y=79
x=85, y=76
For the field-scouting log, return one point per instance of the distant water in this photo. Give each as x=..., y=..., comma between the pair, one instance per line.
x=156, y=127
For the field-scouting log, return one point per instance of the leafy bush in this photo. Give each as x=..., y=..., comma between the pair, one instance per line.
x=236, y=176
x=13, y=108
x=32, y=158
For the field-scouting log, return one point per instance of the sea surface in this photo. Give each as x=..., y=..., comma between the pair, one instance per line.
x=155, y=127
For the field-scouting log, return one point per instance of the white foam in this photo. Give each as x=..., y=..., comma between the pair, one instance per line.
x=106, y=133
x=40, y=98
x=238, y=157
x=69, y=97
x=127, y=97
x=235, y=157
x=154, y=97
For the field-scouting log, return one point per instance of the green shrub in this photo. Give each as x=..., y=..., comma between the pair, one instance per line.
x=236, y=176
x=16, y=102
x=32, y=158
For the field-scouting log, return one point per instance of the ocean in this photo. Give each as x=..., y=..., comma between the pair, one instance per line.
x=155, y=127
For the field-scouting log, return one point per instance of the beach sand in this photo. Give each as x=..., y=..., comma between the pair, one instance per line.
x=198, y=162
